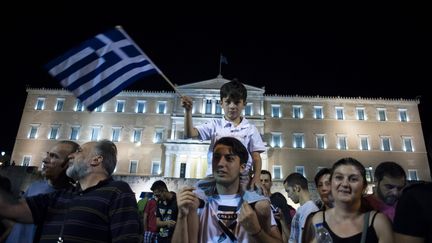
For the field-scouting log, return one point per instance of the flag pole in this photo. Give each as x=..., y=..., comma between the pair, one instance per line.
x=157, y=69
x=220, y=64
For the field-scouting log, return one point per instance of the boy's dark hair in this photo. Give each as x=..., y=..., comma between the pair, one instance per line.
x=389, y=168
x=234, y=90
x=159, y=185
x=237, y=147
x=320, y=173
x=296, y=179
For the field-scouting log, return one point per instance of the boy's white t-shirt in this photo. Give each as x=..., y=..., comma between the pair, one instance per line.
x=245, y=132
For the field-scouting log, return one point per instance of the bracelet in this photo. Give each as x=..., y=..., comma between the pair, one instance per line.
x=257, y=233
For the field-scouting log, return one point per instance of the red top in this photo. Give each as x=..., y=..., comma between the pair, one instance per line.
x=150, y=209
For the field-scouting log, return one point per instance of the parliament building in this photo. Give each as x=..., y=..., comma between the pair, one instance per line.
x=302, y=133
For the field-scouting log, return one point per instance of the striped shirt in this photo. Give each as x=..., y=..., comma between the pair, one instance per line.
x=106, y=212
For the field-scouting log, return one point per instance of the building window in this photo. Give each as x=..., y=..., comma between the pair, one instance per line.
x=361, y=115
x=74, y=133
x=276, y=111
x=298, y=140
x=158, y=138
x=140, y=106
x=116, y=134
x=300, y=169
x=182, y=170
x=382, y=116
x=95, y=133
x=276, y=141
x=407, y=144
x=277, y=172
x=208, y=106
x=385, y=143
x=369, y=174
x=98, y=109
x=54, y=132
x=137, y=135
x=318, y=112
x=33, y=131
x=26, y=160
x=59, y=104
x=342, y=142
x=248, y=110
x=133, y=166
x=79, y=106
x=413, y=175
x=320, y=141
x=155, y=168
x=218, y=107
x=364, y=143
x=120, y=105
x=297, y=112
x=403, y=117
x=40, y=104
x=161, y=107
x=340, y=113
x=180, y=135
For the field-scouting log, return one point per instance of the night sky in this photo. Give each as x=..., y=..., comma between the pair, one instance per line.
x=369, y=51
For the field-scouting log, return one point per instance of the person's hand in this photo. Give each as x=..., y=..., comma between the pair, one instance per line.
x=170, y=223
x=279, y=215
x=186, y=201
x=249, y=219
x=186, y=102
x=256, y=184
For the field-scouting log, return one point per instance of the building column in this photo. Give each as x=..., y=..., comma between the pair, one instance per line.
x=198, y=167
x=213, y=106
x=168, y=164
x=264, y=160
x=176, y=173
x=173, y=130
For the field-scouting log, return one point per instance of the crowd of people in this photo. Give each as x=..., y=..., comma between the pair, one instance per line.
x=77, y=200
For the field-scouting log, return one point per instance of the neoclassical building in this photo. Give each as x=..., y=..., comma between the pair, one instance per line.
x=301, y=133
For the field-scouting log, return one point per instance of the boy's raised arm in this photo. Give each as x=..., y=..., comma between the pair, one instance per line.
x=190, y=131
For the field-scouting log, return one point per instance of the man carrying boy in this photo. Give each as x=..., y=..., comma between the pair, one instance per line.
x=225, y=214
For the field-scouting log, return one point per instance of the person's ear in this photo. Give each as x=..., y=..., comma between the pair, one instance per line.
x=242, y=167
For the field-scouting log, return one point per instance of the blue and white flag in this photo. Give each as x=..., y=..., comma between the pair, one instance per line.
x=101, y=67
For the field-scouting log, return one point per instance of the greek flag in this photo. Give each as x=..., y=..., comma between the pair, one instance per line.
x=101, y=67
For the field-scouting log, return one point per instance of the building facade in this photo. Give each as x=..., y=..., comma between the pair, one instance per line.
x=302, y=134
